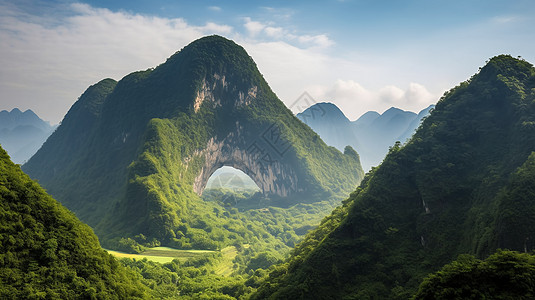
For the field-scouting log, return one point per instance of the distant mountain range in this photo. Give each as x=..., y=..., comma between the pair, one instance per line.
x=22, y=133
x=371, y=135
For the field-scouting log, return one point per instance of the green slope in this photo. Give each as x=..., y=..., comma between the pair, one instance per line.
x=47, y=253
x=504, y=275
x=461, y=185
x=131, y=167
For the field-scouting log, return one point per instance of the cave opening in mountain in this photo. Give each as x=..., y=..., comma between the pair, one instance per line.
x=231, y=178
x=231, y=187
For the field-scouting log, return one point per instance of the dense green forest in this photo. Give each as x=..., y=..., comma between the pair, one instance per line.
x=503, y=275
x=130, y=157
x=47, y=253
x=462, y=185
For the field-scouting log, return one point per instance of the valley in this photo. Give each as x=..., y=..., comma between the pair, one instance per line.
x=193, y=180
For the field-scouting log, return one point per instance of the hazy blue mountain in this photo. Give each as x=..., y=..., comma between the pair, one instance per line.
x=22, y=133
x=380, y=134
x=371, y=135
x=366, y=119
x=15, y=117
x=411, y=129
x=327, y=120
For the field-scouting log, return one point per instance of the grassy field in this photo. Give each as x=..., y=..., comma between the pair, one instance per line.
x=162, y=254
x=226, y=266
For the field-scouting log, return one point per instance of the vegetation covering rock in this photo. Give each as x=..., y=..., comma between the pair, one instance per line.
x=47, y=253
x=504, y=275
x=462, y=185
x=131, y=157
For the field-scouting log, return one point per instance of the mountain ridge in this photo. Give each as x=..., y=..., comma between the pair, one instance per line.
x=155, y=137
x=22, y=133
x=450, y=190
x=371, y=134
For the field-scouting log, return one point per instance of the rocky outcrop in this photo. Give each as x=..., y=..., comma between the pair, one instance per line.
x=271, y=175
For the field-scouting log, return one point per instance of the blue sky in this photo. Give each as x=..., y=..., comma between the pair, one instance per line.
x=360, y=54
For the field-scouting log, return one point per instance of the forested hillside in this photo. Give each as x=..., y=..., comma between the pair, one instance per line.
x=503, y=275
x=47, y=253
x=132, y=158
x=462, y=185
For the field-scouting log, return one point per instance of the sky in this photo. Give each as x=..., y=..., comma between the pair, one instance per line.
x=361, y=55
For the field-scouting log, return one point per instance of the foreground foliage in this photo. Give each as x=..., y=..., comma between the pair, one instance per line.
x=194, y=279
x=46, y=252
x=504, y=275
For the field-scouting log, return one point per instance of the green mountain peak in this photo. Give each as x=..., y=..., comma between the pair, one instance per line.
x=138, y=164
x=459, y=186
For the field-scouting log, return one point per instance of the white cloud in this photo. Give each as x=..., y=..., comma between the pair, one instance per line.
x=417, y=94
x=317, y=40
x=214, y=8
x=253, y=27
x=48, y=62
x=216, y=28
x=275, y=32
x=258, y=29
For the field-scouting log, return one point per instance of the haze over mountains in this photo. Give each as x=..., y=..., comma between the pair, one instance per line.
x=22, y=133
x=371, y=134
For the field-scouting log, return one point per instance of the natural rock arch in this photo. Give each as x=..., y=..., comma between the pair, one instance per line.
x=257, y=158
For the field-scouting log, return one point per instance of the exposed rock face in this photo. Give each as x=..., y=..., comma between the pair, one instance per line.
x=206, y=92
x=259, y=158
x=271, y=175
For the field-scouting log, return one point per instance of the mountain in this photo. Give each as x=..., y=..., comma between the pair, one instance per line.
x=327, y=120
x=46, y=252
x=366, y=119
x=413, y=126
x=15, y=117
x=22, y=133
x=462, y=185
x=371, y=135
x=131, y=158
